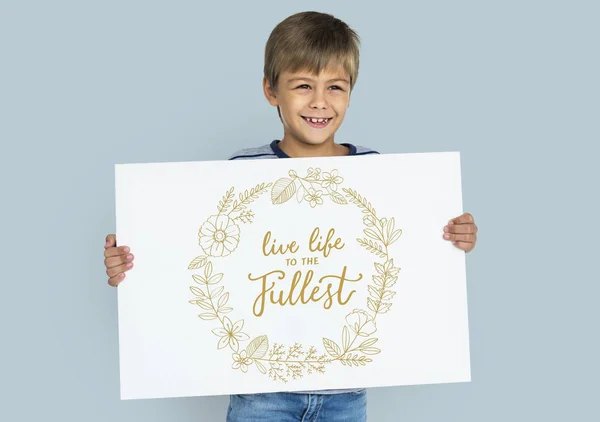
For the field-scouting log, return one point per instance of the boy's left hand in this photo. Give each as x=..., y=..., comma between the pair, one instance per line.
x=462, y=232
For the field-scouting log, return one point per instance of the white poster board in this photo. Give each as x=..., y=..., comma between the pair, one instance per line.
x=290, y=275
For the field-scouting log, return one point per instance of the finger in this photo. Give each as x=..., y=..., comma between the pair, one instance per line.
x=467, y=247
x=118, y=260
x=470, y=238
x=111, y=240
x=114, y=271
x=114, y=251
x=461, y=228
x=466, y=218
x=114, y=281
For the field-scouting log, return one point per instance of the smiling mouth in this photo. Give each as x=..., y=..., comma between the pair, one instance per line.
x=317, y=122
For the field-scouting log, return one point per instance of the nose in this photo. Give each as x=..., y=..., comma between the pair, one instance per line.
x=318, y=100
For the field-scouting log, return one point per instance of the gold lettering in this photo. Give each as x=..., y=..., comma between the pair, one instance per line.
x=263, y=294
x=342, y=280
x=295, y=281
x=277, y=250
x=307, y=280
x=327, y=246
x=290, y=296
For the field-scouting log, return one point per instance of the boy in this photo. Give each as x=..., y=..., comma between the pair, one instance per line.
x=311, y=66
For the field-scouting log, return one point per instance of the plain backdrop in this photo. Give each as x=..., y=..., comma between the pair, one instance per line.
x=512, y=85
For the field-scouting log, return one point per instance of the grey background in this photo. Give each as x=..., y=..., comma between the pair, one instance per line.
x=513, y=85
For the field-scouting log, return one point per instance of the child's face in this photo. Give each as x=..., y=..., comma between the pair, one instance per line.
x=303, y=97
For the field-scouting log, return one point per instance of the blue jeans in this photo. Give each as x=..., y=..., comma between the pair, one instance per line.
x=294, y=407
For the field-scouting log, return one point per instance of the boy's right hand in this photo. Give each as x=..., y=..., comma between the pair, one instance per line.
x=117, y=260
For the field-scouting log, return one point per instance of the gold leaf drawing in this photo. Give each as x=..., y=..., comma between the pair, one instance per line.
x=207, y=316
x=337, y=197
x=246, y=217
x=345, y=338
x=226, y=201
x=294, y=361
x=372, y=305
x=389, y=227
x=260, y=367
x=198, y=292
x=332, y=348
x=390, y=281
x=198, y=262
x=208, y=270
x=372, y=247
x=199, y=279
x=247, y=197
x=375, y=293
x=368, y=343
x=370, y=350
x=215, y=279
x=373, y=234
x=223, y=300
x=207, y=306
x=388, y=295
x=216, y=292
x=395, y=236
x=379, y=281
x=354, y=360
x=283, y=190
x=258, y=347
x=384, y=308
x=300, y=193
x=357, y=199
x=391, y=235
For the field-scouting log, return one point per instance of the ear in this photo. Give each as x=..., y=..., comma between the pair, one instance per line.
x=270, y=93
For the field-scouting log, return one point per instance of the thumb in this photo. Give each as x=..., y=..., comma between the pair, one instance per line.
x=111, y=240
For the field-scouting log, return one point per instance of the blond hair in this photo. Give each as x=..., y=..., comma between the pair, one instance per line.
x=311, y=41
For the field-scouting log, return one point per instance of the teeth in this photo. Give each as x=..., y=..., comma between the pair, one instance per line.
x=318, y=120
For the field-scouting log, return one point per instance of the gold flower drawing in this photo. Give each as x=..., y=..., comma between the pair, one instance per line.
x=332, y=180
x=361, y=323
x=314, y=197
x=219, y=236
x=231, y=334
x=241, y=361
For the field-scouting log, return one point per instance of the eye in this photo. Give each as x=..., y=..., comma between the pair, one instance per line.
x=303, y=86
x=337, y=87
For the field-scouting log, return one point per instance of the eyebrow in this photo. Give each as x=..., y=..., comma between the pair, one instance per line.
x=312, y=80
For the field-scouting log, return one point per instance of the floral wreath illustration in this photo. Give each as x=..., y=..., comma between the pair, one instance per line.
x=219, y=236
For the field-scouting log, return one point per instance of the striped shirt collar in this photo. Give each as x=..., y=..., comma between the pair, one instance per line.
x=280, y=154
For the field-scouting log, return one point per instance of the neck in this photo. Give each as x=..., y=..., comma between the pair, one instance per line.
x=297, y=149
